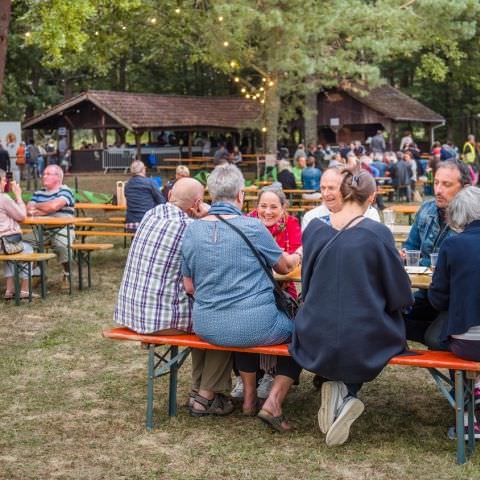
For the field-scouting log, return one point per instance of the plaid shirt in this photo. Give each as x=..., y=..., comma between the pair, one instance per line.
x=151, y=295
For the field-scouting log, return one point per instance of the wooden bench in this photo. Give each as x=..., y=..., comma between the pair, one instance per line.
x=100, y=225
x=83, y=251
x=170, y=361
x=28, y=258
x=102, y=233
x=116, y=219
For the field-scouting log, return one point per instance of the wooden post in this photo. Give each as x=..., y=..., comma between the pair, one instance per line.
x=189, y=144
x=138, y=137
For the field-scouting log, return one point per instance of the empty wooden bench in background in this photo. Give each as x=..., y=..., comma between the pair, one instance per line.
x=170, y=361
x=83, y=251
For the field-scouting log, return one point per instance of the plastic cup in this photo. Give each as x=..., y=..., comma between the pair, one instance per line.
x=433, y=260
x=389, y=217
x=413, y=258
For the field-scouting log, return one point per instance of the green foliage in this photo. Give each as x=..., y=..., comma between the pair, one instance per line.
x=59, y=47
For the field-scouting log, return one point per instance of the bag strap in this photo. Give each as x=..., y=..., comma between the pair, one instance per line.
x=260, y=258
x=329, y=243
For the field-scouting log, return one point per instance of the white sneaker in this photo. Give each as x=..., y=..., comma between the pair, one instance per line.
x=340, y=430
x=264, y=386
x=333, y=394
x=237, y=391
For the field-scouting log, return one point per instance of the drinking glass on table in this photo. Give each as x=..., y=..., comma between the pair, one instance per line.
x=389, y=217
x=413, y=258
x=433, y=260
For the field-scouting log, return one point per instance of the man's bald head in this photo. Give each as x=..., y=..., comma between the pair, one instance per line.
x=185, y=193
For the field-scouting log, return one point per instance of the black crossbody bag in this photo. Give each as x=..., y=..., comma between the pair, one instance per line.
x=284, y=301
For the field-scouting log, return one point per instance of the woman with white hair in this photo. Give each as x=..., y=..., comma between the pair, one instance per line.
x=234, y=301
x=455, y=282
x=456, y=279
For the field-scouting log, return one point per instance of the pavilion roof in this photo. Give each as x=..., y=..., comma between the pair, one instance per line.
x=145, y=110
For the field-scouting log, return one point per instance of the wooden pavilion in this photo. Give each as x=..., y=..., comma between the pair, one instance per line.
x=347, y=115
x=140, y=113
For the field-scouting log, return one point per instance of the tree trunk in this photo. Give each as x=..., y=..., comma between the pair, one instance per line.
x=310, y=114
x=5, y=10
x=122, y=74
x=272, y=117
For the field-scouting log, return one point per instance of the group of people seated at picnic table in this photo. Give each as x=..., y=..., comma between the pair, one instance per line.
x=54, y=199
x=203, y=269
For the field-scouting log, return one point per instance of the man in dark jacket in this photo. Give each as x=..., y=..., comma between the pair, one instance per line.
x=402, y=175
x=142, y=194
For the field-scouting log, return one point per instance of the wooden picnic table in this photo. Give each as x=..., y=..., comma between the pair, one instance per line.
x=54, y=225
x=418, y=280
x=406, y=209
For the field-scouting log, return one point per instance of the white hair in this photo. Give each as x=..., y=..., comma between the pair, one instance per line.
x=464, y=208
x=225, y=182
x=58, y=170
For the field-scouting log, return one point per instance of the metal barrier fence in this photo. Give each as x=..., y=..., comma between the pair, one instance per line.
x=117, y=160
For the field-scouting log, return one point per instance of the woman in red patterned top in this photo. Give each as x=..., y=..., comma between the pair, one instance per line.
x=272, y=212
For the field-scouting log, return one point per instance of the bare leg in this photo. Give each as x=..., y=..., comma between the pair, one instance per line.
x=249, y=389
x=273, y=404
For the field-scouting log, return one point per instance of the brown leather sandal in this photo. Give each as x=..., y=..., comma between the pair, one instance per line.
x=274, y=422
x=219, y=405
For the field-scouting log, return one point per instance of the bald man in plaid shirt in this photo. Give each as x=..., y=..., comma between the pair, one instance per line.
x=151, y=297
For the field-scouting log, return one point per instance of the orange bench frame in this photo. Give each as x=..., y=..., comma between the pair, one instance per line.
x=170, y=361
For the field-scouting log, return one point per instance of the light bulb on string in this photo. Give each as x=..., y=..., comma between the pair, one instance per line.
x=28, y=34
x=225, y=43
x=271, y=83
x=264, y=129
x=153, y=21
x=220, y=18
x=177, y=11
x=233, y=64
x=247, y=95
x=236, y=79
x=264, y=79
x=243, y=90
x=262, y=89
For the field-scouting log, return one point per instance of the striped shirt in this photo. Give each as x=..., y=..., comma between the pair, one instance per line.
x=43, y=195
x=152, y=296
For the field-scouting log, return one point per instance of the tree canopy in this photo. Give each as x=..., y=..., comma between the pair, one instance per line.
x=272, y=51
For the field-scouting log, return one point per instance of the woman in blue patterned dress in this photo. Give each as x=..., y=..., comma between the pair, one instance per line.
x=234, y=302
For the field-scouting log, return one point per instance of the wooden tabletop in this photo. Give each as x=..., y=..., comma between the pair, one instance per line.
x=99, y=206
x=55, y=221
x=28, y=257
x=407, y=209
x=418, y=281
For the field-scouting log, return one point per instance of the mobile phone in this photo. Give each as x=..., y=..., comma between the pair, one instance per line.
x=9, y=178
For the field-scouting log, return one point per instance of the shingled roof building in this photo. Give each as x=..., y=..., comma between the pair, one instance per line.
x=344, y=115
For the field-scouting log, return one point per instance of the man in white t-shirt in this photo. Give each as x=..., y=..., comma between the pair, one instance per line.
x=332, y=199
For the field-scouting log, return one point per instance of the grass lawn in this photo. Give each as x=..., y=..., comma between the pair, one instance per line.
x=73, y=407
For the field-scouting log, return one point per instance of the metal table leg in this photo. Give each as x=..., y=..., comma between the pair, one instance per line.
x=459, y=415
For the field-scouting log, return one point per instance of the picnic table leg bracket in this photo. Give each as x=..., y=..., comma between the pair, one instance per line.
x=158, y=366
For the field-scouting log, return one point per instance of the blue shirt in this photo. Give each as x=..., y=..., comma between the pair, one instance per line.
x=234, y=302
x=43, y=195
x=142, y=194
x=311, y=178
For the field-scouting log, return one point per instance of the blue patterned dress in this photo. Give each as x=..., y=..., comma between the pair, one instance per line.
x=234, y=303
